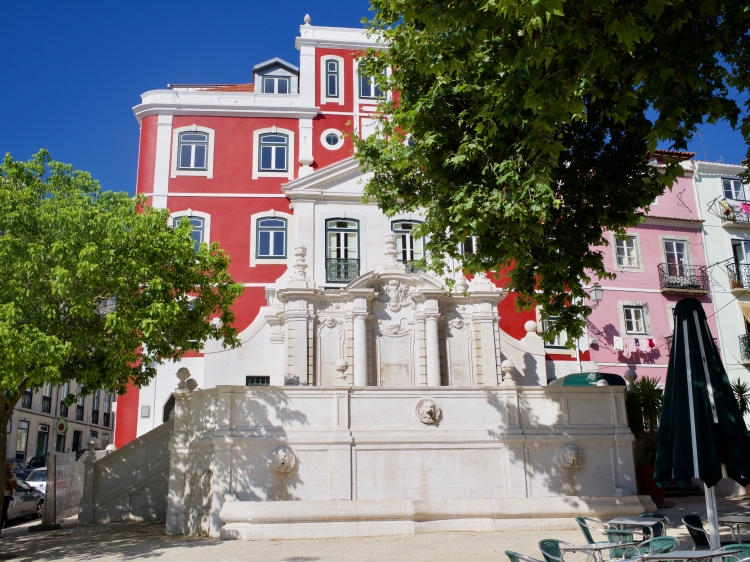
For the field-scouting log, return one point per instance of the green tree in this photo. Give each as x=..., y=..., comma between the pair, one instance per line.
x=68, y=251
x=529, y=125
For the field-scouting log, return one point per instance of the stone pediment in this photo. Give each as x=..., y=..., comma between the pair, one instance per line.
x=342, y=180
x=416, y=281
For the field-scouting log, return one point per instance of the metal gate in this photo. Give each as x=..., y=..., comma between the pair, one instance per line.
x=64, y=487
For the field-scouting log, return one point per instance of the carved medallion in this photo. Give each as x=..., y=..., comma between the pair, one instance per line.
x=428, y=411
x=570, y=457
x=283, y=460
x=390, y=326
x=330, y=322
x=457, y=324
x=396, y=295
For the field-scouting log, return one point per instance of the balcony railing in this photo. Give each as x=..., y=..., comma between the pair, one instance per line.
x=26, y=399
x=63, y=409
x=46, y=404
x=341, y=271
x=739, y=276
x=105, y=419
x=745, y=348
x=411, y=266
x=730, y=212
x=680, y=278
x=94, y=416
x=79, y=413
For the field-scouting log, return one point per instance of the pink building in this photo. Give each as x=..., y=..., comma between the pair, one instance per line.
x=659, y=262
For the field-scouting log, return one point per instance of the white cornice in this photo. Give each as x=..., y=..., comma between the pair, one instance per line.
x=717, y=167
x=335, y=38
x=676, y=221
x=226, y=104
x=324, y=177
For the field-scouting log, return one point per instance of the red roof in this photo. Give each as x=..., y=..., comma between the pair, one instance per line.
x=681, y=154
x=685, y=219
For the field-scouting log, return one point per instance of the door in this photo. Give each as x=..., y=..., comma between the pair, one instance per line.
x=740, y=278
x=76, y=441
x=60, y=445
x=675, y=252
x=42, y=438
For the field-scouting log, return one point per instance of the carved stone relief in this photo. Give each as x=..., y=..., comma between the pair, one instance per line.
x=395, y=295
x=428, y=411
x=570, y=457
x=283, y=460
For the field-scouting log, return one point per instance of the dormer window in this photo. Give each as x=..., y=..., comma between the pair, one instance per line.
x=193, y=151
x=276, y=85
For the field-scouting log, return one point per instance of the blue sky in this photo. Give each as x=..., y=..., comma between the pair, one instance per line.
x=72, y=71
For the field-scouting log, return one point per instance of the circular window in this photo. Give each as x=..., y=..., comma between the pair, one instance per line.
x=332, y=139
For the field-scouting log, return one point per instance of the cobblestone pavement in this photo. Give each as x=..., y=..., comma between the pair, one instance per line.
x=138, y=541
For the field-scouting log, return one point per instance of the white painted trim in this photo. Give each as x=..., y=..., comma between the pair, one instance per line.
x=161, y=164
x=676, y=238
x=328, y=146
x=637, y=365
x=247, y=195
x=324, y=82
x=209, y=171
x=346, y=113
x=253, y=239
x=638, y=253
x=646, y=318
x=193, y=213
x=291, y=162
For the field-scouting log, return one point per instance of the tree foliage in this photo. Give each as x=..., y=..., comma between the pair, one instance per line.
x=68, y=252
x=529, y=124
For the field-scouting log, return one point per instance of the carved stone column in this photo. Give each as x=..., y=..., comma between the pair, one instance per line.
x=360, y=313
x=433, y=350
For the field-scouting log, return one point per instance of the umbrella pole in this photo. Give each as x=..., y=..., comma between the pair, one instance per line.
x=713, y=523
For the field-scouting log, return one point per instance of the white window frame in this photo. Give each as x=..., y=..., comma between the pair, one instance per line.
x=663, y=238
x=290, y=242
x=621, y=305
x=209, y=171
x=324, y=82
x=291, y=162
x=325, y=144
x=357, y=93
x=552, y=350
x=275, y=77
x=191, y=213
x=638, y=254
x=744, y=188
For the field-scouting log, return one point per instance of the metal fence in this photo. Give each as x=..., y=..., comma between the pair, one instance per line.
x=64, y=487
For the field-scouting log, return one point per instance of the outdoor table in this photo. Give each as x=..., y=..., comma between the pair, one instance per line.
x=596, y=547
x=735, y=521
x=689, y=554
x=650, y=522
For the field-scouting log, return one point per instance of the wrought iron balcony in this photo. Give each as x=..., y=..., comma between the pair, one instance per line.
x=739, y=276
x=63, y=409
x=79, y=413
x=745, y=349
x=411, y=266
x=341, y=271
x=105, y=419
x=732, y=213
x=94, y=416
x=46, y=404
x=26, y=399
x=680, y=278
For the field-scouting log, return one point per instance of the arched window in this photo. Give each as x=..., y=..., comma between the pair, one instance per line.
x=198, y=231
x=271, y=238
x=332, y=78
x=274, y=148
x=193, y=151
x=409, y=247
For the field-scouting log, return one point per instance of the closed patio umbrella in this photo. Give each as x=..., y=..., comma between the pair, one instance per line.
x=701, y=427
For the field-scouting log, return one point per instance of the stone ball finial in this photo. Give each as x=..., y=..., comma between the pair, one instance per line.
x=183, y=374
x=630, y=376
x=530, y=326
x=93, y=443
x=192, y=384
x=308, y=19
x=602, y=382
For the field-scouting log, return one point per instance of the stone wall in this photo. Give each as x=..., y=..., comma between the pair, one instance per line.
x=256, y=463
x=129, y=484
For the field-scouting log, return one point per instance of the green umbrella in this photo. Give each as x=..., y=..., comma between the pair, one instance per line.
x=701, y=427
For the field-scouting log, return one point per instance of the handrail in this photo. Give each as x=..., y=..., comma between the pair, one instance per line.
x=683, y=278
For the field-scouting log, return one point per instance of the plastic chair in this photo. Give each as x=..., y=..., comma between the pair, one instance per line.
x=551, y=550
x=516, y=557
x=659, y=530
x=658, y=545
x=694, y=526
x=624, y=535
x=744, y=550
x=587, y=528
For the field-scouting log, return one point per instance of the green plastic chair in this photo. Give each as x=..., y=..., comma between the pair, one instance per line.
x=586, y=528
x=659, y=530
x=744, y=551
x=551, y=550
x=624, y=535
x=516, y=557
x=658, y=545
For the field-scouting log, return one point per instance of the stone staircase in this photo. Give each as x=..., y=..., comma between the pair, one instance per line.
x=672, y=491
x=129, y=484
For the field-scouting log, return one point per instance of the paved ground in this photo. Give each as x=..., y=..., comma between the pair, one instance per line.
x=137, y=541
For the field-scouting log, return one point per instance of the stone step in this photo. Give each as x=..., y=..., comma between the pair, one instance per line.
x=687, y=491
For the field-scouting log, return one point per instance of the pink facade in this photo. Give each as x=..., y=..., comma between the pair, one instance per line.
x=661, y=261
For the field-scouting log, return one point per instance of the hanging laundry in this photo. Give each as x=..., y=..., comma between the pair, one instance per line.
x=745, y=208
x=618, y=343
x=632, y=346
x=651, y=343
